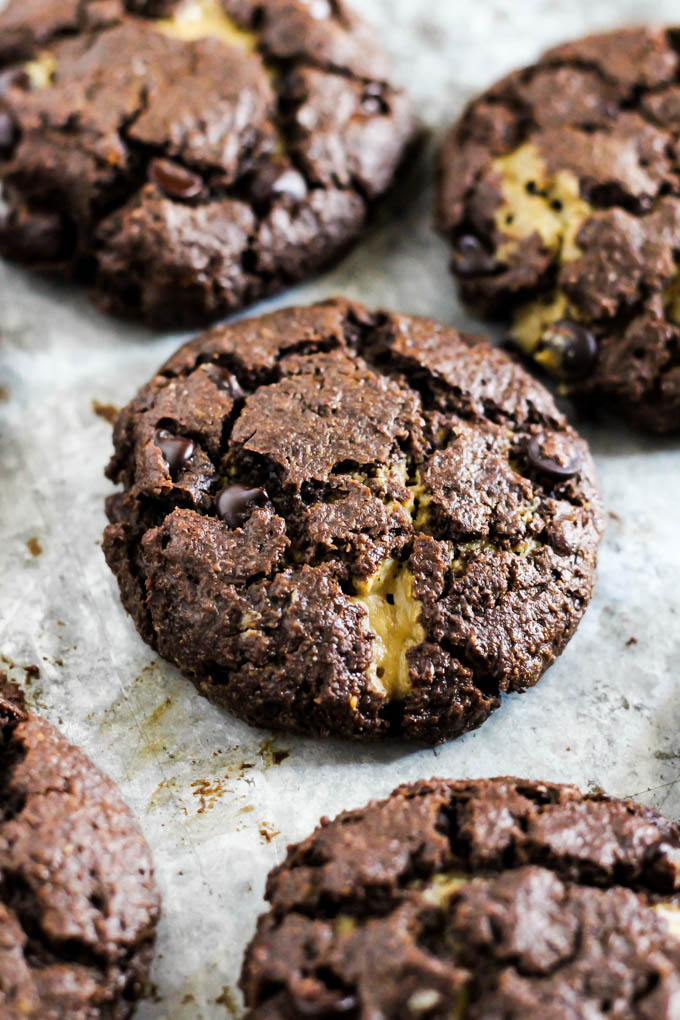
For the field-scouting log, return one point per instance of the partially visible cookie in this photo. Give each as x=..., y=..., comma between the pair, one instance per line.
x=188, y=157
x=78, y=901
x=490, y=899
x=560, y=194
x=354, y=523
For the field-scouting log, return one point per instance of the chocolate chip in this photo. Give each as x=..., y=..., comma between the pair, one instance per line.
x=324, y=1005
x=174, y=180
x=15, y=77
x=40, y=237
x=277, y=178
x=319, y=9
x=291, y=182
x=471, y=257
x=575, y=347
x=8, y=133
x=372, y=99
x=226, y=380
x=236, y=503
x=547, y=466
x=177, y=450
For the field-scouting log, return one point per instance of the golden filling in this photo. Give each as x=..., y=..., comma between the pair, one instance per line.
x=534, y=202
x=344, y=925
x=41, y=70
x=672, y=299
x=426, y=999
x=201, y=19
x=393, y=618
x=671, y=915
x=439, y=890
x=531, y=323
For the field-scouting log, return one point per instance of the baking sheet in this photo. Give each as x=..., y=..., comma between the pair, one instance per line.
x=218, y=800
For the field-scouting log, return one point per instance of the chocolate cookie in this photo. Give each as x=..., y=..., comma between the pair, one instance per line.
x=78, y=902
x=491, y=899
x=345, y=522
x=188, y=157
x=560, y=193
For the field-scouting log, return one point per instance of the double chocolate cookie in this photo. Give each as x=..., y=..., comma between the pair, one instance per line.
x=560, y=193
x=345, y=522
x=188, y=157
x=78, y=902
x=495, y=899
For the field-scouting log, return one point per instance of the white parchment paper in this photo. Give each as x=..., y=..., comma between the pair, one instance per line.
x=218, y=800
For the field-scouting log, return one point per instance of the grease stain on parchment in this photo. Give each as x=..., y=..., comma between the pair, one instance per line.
x=205, y=987
x=198, y=778
x=227, y=999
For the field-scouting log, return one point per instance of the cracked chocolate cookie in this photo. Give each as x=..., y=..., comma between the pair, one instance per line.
x=560, y=194
x=78, y=902
x=186, y=158
x=355, y=523
x=491, y=899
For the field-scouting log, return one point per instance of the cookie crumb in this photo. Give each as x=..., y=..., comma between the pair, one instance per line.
x=227, y=999
x=34, y=547
x=268, y=832
x=109, y=412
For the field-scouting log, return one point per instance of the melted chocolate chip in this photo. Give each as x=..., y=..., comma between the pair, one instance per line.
x=15, y=77
x=236, y=503
x=547, y=466
x=174, y=180
x=226, y=380
x=575, y=347
x=40, y=237
x=8, y=133
x=372, y=100
x=177, y=450
x=471, y=257
x=319, y=9
x=291, y=182
x=276, y=179
x=327, y=1004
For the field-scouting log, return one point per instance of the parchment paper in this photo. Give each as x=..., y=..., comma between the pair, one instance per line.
x=219, y=801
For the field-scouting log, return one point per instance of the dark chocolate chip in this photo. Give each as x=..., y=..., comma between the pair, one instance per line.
x=226, y=380
x=8, y=133
x=177, y=450
x=471, y=257
x=40, y=237
x=275, y=179
x=547, y=466
x=372, y=99
x=174, y=180
x=324, y=1005
x=15, y=77
x=319, y=9
x=575, y=346
x=236, y=503
x=290, y=182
